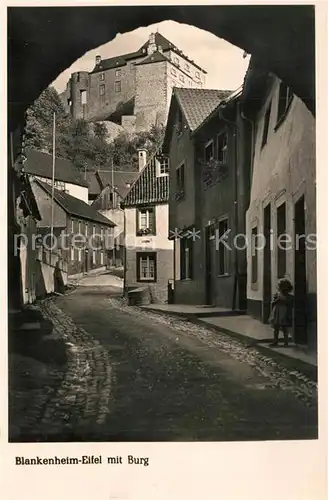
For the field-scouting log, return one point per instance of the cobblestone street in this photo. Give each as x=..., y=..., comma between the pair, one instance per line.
x=132, y=375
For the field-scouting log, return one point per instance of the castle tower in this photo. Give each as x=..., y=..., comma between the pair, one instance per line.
x=79, y=94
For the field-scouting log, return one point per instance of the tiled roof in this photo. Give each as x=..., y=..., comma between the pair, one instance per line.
x=40, y=164
x=74, y=206
x=197, y=104
x=148, y=188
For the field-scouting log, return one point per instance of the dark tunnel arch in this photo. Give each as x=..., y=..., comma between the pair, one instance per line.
x=43, y=42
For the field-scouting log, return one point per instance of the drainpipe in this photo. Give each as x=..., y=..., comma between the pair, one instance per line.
x=236, y=278
x=252, y=138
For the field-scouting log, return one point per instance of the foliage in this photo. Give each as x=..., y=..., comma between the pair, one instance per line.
x=88, y=146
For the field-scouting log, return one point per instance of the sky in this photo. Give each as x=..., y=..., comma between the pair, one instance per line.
x=224, y=62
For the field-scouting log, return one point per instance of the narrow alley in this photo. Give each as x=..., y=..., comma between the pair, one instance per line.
x=150, y=377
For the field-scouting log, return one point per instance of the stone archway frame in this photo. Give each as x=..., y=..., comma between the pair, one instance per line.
x=43, y=42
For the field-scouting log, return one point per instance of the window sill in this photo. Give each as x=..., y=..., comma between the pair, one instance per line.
x=146, y=281
x=225, y=275
x=283, y=116
x=186, y=279
x=138, y=235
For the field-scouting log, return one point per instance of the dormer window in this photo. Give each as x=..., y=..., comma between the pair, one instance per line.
x=187, y=67
x=181, y=78
x=176, y=61
x=162, y=166
x=197, y=75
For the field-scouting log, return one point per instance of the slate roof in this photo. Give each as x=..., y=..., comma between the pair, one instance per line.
x=98, y=180
x=148, y=188
x=121, y=179
x=155, y=57
x=122, y=60
x=40, y=164
x=74, y=206
x=197, y=104
x=93, y=184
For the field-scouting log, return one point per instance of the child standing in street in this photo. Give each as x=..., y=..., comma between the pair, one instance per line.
x=281, y=317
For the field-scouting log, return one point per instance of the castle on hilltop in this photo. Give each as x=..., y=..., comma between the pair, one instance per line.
x=133, y=90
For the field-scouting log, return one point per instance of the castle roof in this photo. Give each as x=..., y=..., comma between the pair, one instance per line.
x=148, y=187
x=75, y=206
x=122, y=60
x=40, y=165
x=196, y=105
x=155, y=57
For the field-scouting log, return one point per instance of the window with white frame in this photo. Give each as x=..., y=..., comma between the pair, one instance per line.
x=102, y=77
x=102, y=258
x=79, y=254
x=197, y=75
x=173, y=72
x=102, y=90
x=72, y=253
x=118, y=86
x=146, y=266
x=93, y=257
x=118, y=73
x=187, y=68
x=176, y=61
x=181, y=78
x=163, y=165
x=146, y=223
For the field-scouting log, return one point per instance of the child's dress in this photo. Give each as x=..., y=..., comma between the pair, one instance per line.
x=282, y=311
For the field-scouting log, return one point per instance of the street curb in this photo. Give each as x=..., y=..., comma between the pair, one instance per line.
x=311, y=371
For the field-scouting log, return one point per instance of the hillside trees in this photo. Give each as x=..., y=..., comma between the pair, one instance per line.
x=88, y=146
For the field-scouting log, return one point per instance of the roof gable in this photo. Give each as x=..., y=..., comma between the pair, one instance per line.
x=152, y=58
x=148, y=187
x=40, y=164
x=74, y=206
x=195, y=104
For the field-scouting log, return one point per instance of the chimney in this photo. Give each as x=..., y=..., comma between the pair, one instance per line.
x=152, y=44
x=142, y=158
x=98, y=60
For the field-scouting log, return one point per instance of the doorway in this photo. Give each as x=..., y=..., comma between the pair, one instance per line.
x=266, y=302
x=300, y=314
x=210, y=264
